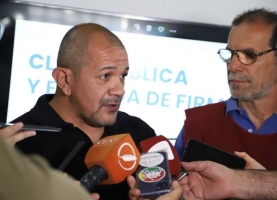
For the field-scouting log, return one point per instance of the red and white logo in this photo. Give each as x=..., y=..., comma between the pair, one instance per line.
x=163, y=146
x=126, y=156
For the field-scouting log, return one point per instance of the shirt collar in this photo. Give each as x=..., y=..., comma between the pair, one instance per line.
x=231, y=105
x=44, y=114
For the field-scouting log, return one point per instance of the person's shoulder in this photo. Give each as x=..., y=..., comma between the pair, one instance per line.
x=36, y=115
x=26, y=118
x=209, y=109
x=208, y=106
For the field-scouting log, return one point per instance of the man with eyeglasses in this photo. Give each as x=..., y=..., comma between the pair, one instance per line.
x=248, y=120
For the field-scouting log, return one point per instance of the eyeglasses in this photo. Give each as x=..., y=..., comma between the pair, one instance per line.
x=245, y=56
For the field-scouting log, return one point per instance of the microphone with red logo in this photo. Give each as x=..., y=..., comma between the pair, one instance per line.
x=161, y=143
x=110, y=161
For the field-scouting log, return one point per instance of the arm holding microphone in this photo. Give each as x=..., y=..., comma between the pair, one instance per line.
x=160, y=143
x=210, y=180
x=13, y=134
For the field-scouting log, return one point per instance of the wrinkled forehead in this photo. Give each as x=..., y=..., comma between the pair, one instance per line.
x=249, y=35
x=109, y=53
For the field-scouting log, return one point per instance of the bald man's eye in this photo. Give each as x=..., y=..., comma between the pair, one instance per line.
x=104, y=76
x=123, y=76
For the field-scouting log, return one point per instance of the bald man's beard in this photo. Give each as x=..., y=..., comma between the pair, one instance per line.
x=98, y=120
x=101, y=119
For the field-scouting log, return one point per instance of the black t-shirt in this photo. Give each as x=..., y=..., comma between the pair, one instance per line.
x=55, y=146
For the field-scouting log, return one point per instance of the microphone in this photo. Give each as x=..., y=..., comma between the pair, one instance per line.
x=71, y=155
x=110, y=161
x=161, y=143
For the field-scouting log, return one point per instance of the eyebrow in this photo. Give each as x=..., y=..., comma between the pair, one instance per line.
x=112, y=67
x=250, y=48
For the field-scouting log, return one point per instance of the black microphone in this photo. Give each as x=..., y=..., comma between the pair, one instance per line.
x=71, y=155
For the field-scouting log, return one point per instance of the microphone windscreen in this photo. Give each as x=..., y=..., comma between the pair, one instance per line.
x=161, y=143
x=117, y=155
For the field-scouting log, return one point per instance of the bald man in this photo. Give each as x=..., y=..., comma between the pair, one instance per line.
x=90, y=75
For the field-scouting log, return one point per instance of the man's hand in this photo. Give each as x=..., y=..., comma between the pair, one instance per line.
x=175, y=194
x=250, y=162
x=94, y=196
x=13, y=134
x=207, y=180
x=134, y=193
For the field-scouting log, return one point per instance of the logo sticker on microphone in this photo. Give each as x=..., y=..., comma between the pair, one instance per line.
x=151, y=159
x=163, y=146
x=152, y=174
x=126, y=156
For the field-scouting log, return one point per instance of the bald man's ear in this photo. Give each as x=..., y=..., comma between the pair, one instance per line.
x=63, y=78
